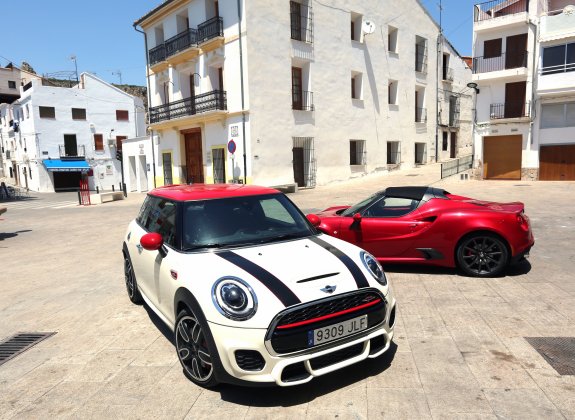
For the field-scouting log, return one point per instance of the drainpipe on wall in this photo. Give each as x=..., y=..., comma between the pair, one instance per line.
x=149, y=101
x=242, y=90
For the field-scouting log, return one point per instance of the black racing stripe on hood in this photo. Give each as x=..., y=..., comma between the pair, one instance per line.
x=357, y=274
x=275, y=285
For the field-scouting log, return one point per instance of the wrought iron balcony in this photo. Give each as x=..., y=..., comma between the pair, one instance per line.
x=505, y=61
x=497, y=8
x=420, y=115
x=72, y=150
x=447, y=74
x=157, y=54
x=191, y=37
x=420, y=58
x=302, y=100
x=206, y=102
x=509, y=109
x=181, y=42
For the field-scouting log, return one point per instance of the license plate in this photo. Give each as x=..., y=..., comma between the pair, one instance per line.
x=335, y=331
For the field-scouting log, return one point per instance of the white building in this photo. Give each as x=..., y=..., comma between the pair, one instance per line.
x=138, y=169
x=52, y=137
x=308, y=95
x=524, y=64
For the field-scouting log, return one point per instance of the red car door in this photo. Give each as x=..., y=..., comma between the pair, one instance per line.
x=387, y=228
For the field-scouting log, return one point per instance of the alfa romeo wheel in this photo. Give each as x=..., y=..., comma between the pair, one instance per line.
x=193, y=350
x=482, y=255
x=131, y=283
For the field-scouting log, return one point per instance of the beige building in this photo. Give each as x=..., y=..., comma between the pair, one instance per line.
x=299, y=92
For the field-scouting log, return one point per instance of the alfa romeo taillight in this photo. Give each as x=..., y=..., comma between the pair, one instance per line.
x=523, y=221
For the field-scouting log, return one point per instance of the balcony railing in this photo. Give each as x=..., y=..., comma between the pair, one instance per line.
x=301, y=19
x=72, y=151
x=180, y=42
x=505, y=61
x=561, y=68
x=420, y=115
x=157, y=54
x=509, y=109
x=302, y=100
x=456, y=166
x=498, y=8
x=210, y=29
x=210, y=101
x=420, y=58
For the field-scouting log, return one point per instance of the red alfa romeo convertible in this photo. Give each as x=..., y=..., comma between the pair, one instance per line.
x=425, y=225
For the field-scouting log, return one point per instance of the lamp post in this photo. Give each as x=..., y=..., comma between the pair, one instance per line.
x=73, y=58
x=473, y=85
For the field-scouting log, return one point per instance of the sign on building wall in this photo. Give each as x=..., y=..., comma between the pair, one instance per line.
x=109, y=169
x=234, y=131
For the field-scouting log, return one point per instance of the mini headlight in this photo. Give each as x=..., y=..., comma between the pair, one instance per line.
x=374, y=267
x=234, y=298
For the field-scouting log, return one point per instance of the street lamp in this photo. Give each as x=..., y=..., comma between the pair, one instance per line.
x=73, y=58
x=473, y=85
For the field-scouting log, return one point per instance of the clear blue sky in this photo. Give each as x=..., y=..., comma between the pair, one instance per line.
x=100, y=34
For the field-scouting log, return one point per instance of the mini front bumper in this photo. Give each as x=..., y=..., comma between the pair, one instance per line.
x=368, y=344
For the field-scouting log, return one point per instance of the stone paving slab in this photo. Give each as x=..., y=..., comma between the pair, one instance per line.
x=459, y=348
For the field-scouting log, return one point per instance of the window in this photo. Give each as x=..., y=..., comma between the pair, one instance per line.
x=159, y=215
x=47, y=112
x=78, y=114
x=392, y=39
x=392, y=92
x=356, y=86
x=301, y=19
x=11, y=84
x=492, y=48
x=357, y=152
x=356, y=20
x=559, y=59
x=122, y=115
x=558, y=115
x=99, y=142
x=420, y=111
x=391, y=207
x=420, y=54
x=393, y=152
x=444, y=145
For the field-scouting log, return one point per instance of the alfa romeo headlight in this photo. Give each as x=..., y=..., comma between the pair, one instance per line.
x=374, y=267
x=234, y=298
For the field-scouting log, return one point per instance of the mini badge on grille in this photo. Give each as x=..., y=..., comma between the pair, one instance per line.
x=328, y=289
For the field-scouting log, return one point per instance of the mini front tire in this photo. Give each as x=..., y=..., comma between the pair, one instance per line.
x=194, y=349
x=131, y=283
x=482, y=255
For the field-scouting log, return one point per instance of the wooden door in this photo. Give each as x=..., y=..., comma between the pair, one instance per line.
x=296, y=88
x=515, y=54
x=298, y=166
x=557, y=163
x=502, y=157
x=194, y=157
x=515, y=99
x=453, y=146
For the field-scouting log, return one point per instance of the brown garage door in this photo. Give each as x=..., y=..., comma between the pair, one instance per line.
x=502, y=157
x=557, y=163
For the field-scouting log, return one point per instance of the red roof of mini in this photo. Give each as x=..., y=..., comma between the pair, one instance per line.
x=209, y=191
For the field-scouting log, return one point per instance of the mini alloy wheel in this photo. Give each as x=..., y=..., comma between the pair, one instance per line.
x=482, y=255
x=193, y=351
x=131, y=283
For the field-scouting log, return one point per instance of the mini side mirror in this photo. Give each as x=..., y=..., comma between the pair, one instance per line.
x=152, y=241
x=357, y=217
x=314, y=220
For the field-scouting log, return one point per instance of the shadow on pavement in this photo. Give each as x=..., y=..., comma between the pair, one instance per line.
x=273, y=396
x=519, y=269
x=6, y=235
x=160, y=325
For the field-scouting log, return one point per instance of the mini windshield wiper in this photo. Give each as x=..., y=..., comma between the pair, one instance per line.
x=204, y=246
x=284, y=237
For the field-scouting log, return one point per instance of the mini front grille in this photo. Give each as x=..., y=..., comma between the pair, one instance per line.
x=290, y=331
x=336, y=356
x=250, y=360
x=327, y=307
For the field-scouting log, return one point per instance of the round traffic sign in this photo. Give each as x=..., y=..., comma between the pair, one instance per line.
x=232, y=146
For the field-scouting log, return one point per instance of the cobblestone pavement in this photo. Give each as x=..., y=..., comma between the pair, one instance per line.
x=459, y=350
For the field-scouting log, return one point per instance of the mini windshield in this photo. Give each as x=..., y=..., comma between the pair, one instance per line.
x=357, y=208
x=237, y=221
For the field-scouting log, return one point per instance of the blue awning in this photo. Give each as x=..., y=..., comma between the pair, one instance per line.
x=59, y=165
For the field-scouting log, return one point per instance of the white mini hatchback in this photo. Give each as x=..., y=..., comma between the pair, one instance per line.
x=253, y=292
